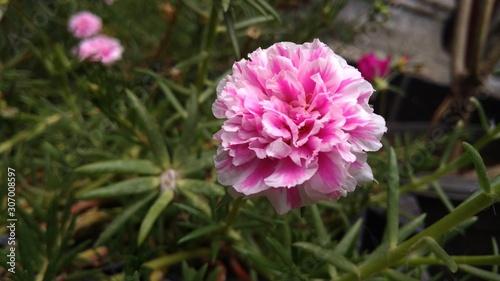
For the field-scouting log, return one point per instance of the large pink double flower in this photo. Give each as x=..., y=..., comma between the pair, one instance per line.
x=298, y=126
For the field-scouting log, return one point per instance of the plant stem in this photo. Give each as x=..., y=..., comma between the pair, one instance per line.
x=463, y=212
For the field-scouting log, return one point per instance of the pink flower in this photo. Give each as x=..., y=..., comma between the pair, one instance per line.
x=371, y=67
x=100, y=48
x=297, y=126
x=84, y=24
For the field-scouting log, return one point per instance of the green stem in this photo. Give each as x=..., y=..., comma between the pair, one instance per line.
x=463, y=212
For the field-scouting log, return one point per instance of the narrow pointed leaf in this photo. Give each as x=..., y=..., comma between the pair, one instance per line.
x=349, y=239
x=199, y=202
x=173, y=258
x=191, y=122
x=278, y=249
x=260, y=261
x=193, y=212
x=391, y=230
x=319, y=226
x=225, y=4
x=172, y=85
x=494, y=245
x=214, y=275
x=202, y=231
x=120, y=166
x=228, y=19
x=187, y=272
x=396, y=275
x=482, y=115
x=440, y=253
x=203, y=187
x=269, y=9
x=482, y=174
x=450, y=146
x=442, y=195
x=172, y=98
x=214, y=249
x=328, y=256
x=409, y=228
x=124, y=188
x=201, y=273
x=122, y=218
x=153, y=213
x=30, y=133
x=151, y=129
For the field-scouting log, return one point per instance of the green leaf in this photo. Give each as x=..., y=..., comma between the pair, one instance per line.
x=124, y=188
x=214, y=275
x=200, y=232
x=172, y=85
x=330, y=257
x=184, y=64
x=203, y=187
x=191, y=122
x=30, y=133
x=259, y=260
x=225, y=4
x=153, y=213
x=120, y=166
x=193, y=212
x=151, y=129
x=171, y=97
x=192, y=163
x=409, y=228
x=214, y=249
x=197, y=201
x=396, y=275
x=228, y=19
x=481, y=273
x=442, y=195
x=122, y=218
x=264, y=8
x=319, y=226
x=450, y=146
x=201, y=273
x=278, y=249
x=482, y=115
x=188, y=273
x=494, y=245
x=391, y=229
x=482, y=174
x=440, y=253
x=349, y=239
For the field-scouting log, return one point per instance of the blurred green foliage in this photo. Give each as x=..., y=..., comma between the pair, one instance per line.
x=114, y=171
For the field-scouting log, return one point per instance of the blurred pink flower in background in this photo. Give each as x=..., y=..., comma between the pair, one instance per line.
x=372, y=67
x=84, y=24
x=100, y=48
x=297, y=126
